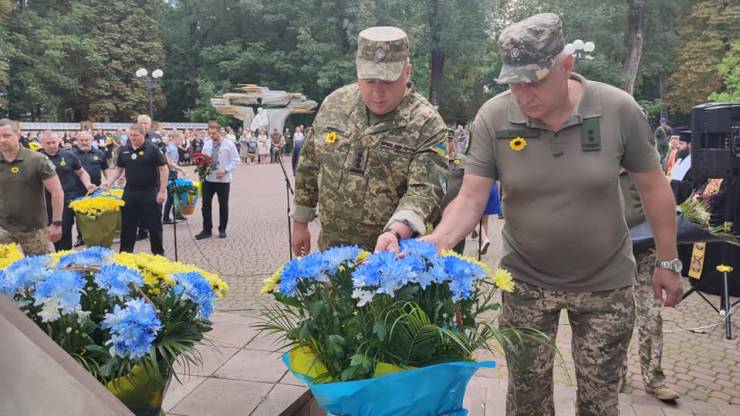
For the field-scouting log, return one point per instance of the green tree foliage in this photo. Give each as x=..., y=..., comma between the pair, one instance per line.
x=707, y=30
x=75, y=60
x=729, y=70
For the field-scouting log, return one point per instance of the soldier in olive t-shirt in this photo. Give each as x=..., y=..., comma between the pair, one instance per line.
x=557, y=141
x=23, y=177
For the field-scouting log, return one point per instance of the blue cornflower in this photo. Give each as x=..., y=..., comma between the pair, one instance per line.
x=383, y=270
x=24, y=273
x=93, y=256
x=337, y=256
x=60, y=291
x=311, y=267
x=116, y=279
x=420, y=248
x=133, y=329
x=195, y=287
x=462, y=275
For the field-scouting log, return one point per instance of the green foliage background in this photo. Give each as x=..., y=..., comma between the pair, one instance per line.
x=75, y=60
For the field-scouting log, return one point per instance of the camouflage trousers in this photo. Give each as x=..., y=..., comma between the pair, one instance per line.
x=33, y=243
x=649, y=323
x=601, y=323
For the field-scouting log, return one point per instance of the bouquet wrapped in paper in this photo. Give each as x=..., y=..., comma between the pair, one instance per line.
x=99, y=216
x=382, y=334
x=126, y=318
x=186, y=193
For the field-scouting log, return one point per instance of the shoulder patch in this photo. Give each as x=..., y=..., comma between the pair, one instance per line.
x=440, y=149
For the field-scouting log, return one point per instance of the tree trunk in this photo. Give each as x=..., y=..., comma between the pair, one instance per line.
x=663, y=88
x=438, y=55
x=633, y=39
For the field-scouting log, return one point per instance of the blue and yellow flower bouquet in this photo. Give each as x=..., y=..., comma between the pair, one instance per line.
x=381, y=334
x=126, y=318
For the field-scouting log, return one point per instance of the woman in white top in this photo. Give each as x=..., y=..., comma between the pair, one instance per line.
x=263, y=145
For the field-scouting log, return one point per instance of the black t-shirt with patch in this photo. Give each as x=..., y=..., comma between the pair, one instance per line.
x=142, y=167
x=66, y=165
x=94, y=163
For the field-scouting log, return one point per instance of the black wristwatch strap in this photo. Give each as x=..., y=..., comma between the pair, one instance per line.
x=395, y=233
x=56, y=223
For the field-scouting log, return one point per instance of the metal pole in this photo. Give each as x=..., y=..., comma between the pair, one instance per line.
x=150, y=87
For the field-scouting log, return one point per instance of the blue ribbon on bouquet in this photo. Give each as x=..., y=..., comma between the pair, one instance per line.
x=436, y=390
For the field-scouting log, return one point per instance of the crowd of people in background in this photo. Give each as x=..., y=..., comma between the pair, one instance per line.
x=255, y=147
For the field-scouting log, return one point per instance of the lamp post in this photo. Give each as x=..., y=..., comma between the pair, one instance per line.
x=151, y=84
x=581, y=50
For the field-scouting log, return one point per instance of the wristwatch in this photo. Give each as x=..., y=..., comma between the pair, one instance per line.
x=395, y=233
x=673, y=265
x=56, y=223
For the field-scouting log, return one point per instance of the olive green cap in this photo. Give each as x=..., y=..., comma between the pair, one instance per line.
x=529, y=47
x=382, y=53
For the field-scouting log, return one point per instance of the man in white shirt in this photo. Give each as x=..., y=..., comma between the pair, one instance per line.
x=224, y=159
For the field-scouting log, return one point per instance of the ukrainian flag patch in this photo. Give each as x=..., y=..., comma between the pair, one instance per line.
x=440, y=149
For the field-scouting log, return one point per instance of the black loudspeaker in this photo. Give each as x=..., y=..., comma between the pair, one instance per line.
x=715, y=141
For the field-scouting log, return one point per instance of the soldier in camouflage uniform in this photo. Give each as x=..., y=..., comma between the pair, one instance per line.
x=557, y=141
x=376, y=164
x=647, y=310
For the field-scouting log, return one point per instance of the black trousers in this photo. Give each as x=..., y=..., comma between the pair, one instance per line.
x=141, y=208
x=170, y=199
x=68, y=220
x=222, y=191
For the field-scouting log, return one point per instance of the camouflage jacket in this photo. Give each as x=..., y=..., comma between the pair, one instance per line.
x=365, y=176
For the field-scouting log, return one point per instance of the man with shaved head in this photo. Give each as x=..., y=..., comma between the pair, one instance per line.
x=24, y=174
x=74, y=179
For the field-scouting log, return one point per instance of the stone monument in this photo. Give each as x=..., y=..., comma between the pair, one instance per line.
x=273, y=107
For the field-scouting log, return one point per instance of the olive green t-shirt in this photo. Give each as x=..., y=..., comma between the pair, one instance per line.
x=565, y=226
x=22, y=202
x=633, y=214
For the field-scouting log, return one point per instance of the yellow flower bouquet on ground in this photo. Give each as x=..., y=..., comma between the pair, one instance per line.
x=99, y=216
x=126, y=318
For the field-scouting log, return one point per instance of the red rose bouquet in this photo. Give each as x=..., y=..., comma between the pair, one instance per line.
x=202, y=165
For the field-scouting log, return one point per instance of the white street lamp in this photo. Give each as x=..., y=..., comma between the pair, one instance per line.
x=151, y=84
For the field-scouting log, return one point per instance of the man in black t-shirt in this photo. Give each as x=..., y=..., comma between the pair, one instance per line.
x=74, y=179
x=93, y=160
x=146, y=189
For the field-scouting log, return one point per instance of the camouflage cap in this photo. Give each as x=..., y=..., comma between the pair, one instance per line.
x=529, y=48
x=382, y=53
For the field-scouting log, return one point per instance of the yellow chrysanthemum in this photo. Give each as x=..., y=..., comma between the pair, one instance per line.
x=269, y=284
x=723, y=268
x=94, y=206
x=15, y=169
x=503, y=280
x=9, y=254
x=58, y=255
x=517, y=144
x=363, y=256
x=330, y=138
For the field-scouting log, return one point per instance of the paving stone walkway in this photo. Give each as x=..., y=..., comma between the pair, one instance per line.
x=700, y=364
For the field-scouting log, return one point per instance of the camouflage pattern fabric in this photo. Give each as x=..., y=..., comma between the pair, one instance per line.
x=528, y=48
x=649, y=323
x=33, y=243
x=364, y=176
x=602, y=325
x=382, y=53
